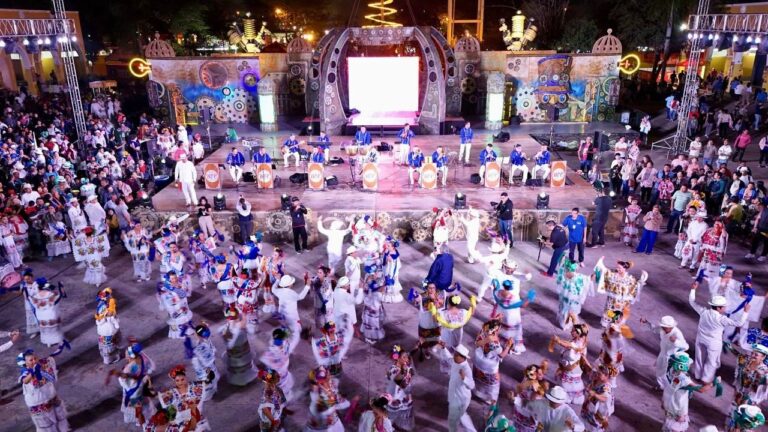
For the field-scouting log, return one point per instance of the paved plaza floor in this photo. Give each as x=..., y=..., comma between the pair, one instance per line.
x=95, y=406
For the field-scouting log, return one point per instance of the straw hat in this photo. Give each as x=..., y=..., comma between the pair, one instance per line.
x=557, y=395
x=286, y=281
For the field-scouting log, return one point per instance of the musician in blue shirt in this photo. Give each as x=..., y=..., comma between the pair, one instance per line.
x=405, y=136
x=542, y=158
x=465, y=134
x=316, y=156
x=362, y=136
x=261, y=156
x=415, y=162
x=235, y=160
x=487, y=155
x=517, y=163
x=326, y=146
x=291, y=149
x=441, y=161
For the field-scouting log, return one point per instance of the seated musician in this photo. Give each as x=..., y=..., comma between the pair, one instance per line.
x=362, y=136
x=316, y=156
x=542, y=158
x=441, y=161
x=517, y=163
x=487, y=155
x=326, y=146
x=235, y=160
x=291, y=149
x=261, y=156
x=415, y=162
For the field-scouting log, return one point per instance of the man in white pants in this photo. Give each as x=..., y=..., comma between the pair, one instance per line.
x=692, y=246
x=517, y=163
x=709, y=338
x=471, y=222
x=186, y=174
x=460, y=385
x=291, y=149
x=335, y=234
x=465, y=135
x=542, y=158
x=235, y=160
x=288, y=301
x=405, y=136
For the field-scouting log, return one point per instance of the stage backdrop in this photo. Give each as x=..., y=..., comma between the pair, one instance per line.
x=222, y=88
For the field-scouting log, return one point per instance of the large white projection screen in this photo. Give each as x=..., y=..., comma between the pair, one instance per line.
x=383, y=84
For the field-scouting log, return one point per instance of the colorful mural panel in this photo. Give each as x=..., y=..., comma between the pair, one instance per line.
x=222, y=90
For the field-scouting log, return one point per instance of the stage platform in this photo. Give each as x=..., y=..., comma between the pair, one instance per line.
x=373, y=119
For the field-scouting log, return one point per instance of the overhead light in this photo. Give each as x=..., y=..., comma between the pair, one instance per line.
x=2, y=43
x=690, y=35
x=735, y=38
x=40, y=41
x=285, y=202
x=710, y=37
x=542, y=201
x=25, y=41
x=47, y=41
x=757, y=39
x=717, y=36
x=683, y=26
x=749, y=39
x=459, y=201
x=219, y=202
x=73, y=38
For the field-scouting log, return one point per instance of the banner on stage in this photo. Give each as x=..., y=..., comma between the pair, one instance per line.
x=370, y=176
x=211, y=174
x=316, y=176
x=264, y=176
x=492, y=174
x=429, y=176
x=558, y=174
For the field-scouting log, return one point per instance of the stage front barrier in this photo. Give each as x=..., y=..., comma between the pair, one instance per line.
x=492, y=174
x=316, y=176
x=211, y=175
x=370, y=176
x=429, y=176
x=557, y=176
x=264, y=177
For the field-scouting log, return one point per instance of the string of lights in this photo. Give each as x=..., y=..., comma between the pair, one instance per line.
x=384, y=10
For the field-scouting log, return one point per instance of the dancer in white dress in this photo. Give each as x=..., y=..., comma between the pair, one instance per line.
x=38, y=379
x=29, y=289
x=12, y=253
x=200, y=350
x=677, y=392
x=107, y=326
x=400, y=379
x=391, y=263
x=172, y=298
x=277, y=356
x=138, y=242
x=377, y=418
x=488, y=355
x=91, y=249
x=46, y=306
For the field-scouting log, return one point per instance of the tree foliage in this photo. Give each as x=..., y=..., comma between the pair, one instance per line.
x=549, y=18
x=579, y=35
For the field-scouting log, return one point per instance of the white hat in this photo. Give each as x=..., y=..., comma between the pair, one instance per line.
x=497, y=247
x=667, y=321
x=718, y=301
x=351, y=249
x=73, y=200
x=510, y=263
x=343, y=281
x=91, y=198
x=337, y=225
x=762, y=349
x=286, y=281
x=462, y=351
x=557, y=395
x=709, y=428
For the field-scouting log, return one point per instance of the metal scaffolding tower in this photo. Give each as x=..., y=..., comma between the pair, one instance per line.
x=73, y=86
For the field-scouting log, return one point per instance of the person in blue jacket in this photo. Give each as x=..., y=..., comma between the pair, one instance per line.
x=316, y=156
x=362, y=136
x=487, y=155
x=326, y=146
x=405, y=136
x=465, y=137
x=235, y=160
x=441, y=161
x=542, y=158
x=291, y=149
x=517, y=163
x=441, y=270
x=261, y=156
x=415, y=162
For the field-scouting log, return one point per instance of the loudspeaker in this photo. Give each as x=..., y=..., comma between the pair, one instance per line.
x=514, y=120
x=248, y=177
x=475, y=178
x=331, y=181
x=534, y=182
x=384, y=147
x=298, y=178
x=601, y=141
x=336, y=160
x=501, y=137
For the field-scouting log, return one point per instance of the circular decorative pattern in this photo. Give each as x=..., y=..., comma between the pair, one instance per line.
x=295, y=70
x=420, y=234
x=469, y=68
x=328, y=101
x=213, y=75
x=314, y=85
x=468, y=85
x=432, y=76
x=384, y=220
x=204, y=102
x=450, y=82
x=278, y=222
x=331, y=77
x=431, y=63
x=333, y=109
x=250, y=81
x=220, y=114
x=297, y=86
x=525, y=101
x=226, y=91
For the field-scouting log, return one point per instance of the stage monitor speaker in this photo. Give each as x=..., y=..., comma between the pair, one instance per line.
x=298, y=178
x=331, y=181
x=601, y=141
x=501, y=137
x=475, y=178
x=514, y=121
x=534, y=182
x=384, y=147
x=336, y=160
x=248, y=177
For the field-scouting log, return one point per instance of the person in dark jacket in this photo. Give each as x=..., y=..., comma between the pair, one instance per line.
x=760, y=232
x=298, y=224
x=504, y=214
x=558, y=240
x=603, y=204
x=441, y=271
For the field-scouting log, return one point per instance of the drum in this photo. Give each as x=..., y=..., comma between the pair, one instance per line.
x=351, y=150
x=363, y=150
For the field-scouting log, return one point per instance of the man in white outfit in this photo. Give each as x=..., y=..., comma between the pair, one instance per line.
x=288, y=301
x=694, y=232
x=186, y=174
x=96, y=214
x=471, y=223
x=460, y=387
x=335, y=234
x=499, y=252
x=553, y=414
x=709, y=338
x=672, y=341
x=344, y=306
x=352, y=271
x=76, y=216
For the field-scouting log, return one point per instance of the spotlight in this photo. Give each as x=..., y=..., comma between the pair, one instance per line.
x=39, y=41
x=459, y=201
x=690, y=35
x=542, y=201
x=219, y=202
x=145, y=200
x=710, y=37
x=73, y=38
x=749, y=39
x=25, y=41
x=735, y=38
x=285, y=202
x=612, y=194
x=758, y=40
x=717, y=36
x=2, y=43
x=47, y=41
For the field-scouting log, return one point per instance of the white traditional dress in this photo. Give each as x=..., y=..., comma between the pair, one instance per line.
x=629, y=233
x=188, y=405
x=138, y=244
x=508, y=304
x=248, y=302
x=485, y=371
x=204, y=365
x=330, y=351
x=713, y=247
x=221, y=273
x=524, y=419
x=323, y=300
x=203, y=253
x=399, y=387
x=621, y=290
x=612, y=352
x=595, y=412
x=452, y=320
x=675, y=402
x=277, y=356
x=393, y=288
x=134, y=400
x=750, y=382
x=271, y=402
x=12, y=252
x=46, y=409
x=58, y=239
x=573, y=293
x=46, y=304
x=28, y=291
x=173, y=300
x=107, y=328
x=176, y=262
x=368, y=423
x=91, y=250
x=374, y=315
x=569, y=376
x=323, y=408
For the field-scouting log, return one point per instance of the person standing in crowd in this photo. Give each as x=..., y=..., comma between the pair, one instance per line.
x=186, y=175
x=576, y=224
x=465, y=137
x=504, y=212
x=651, y=229
x=244, y=219
x=460, y=386
x=759, y=232
x=680, y=200
x=558, y=240
x=298, y=224
x=405, y=134
x=603, y=204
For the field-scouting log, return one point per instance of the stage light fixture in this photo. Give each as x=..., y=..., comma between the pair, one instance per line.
x=690, y=35
x=612, y=194
x=542, y=201
x=2, y=43
x=285, y=202
x=459, y=201
x=25, y=42
x=219, y=202
x=47, y=41
x=710, y=37
x=749, y=39
x=717, y=36
x=735, y=38
x=758, y=40
x=73, y=38
x=145, y=200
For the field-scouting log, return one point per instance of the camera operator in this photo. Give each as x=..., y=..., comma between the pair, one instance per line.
x=504, y=214
x=298, y=224
x=558, y=241
x=244, y=219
